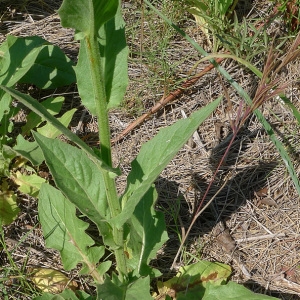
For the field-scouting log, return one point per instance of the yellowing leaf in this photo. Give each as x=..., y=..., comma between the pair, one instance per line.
x=193, y=280
x=51, y=281
x=8, y=205
x=28, y=184
x=201, y=22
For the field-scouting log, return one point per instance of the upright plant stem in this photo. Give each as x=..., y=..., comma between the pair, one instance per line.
x=104, y=136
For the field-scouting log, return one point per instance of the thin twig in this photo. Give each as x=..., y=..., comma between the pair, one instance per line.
x=192, y=223
x=164, y=100
x=260, y=237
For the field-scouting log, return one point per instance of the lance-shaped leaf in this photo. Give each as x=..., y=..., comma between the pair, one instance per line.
x=28, y=184
x=51, y=69
x=154, y=157
x=191, y=280
x=87, y=16
x=147, y=233
x=65, y=232
x=112, y=51
x=79, y=179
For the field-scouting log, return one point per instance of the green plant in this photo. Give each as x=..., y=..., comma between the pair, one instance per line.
x=27, y=60
x=85, y=176
x=13, y=274
x=129, y=226
x=291, y=13
x=211, y=17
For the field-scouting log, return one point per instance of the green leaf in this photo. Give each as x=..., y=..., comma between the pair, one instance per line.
x=28, y=184
x=192, y=280
x=5, y=101
x=53, y=105
x=29, y=150
x=39, y=109
x=52, y=132
x=143, y=244
x=139, y=289
x=154, y=157
x=114, y=53
x=231, y=291
x=65, y=232
x=19, y=56
x=34, y=60
x=295, y=111
x=222, y=7
x=9, y=209
x=79, y=179
x=88, y=16
x=51, y=69
x=6, y=156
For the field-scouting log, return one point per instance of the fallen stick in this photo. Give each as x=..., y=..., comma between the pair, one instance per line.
x=261, y=237
x=163, y=101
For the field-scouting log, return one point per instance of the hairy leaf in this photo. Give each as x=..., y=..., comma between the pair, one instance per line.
x=143, y=244
x=192, y=280
x=50, y=280
x=39, y=109
x=5, y=101
x=65, y=232
x=154, y=157
x=51, y=69
x=113, y=53
x=78, y=178
x=36, y=61
x=19, y=55
x=6, y=156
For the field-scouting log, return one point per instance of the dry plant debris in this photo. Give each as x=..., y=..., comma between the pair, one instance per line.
x=253, y=224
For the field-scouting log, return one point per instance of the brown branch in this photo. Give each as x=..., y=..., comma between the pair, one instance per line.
x=163, y=101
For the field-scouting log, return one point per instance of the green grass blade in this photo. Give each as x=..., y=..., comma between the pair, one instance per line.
x=295, y=111
x=284, y=155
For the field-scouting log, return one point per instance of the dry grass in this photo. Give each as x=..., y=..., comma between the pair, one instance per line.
x=258, y=208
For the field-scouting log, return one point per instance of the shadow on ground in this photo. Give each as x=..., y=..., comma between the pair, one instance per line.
x=242, y=184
